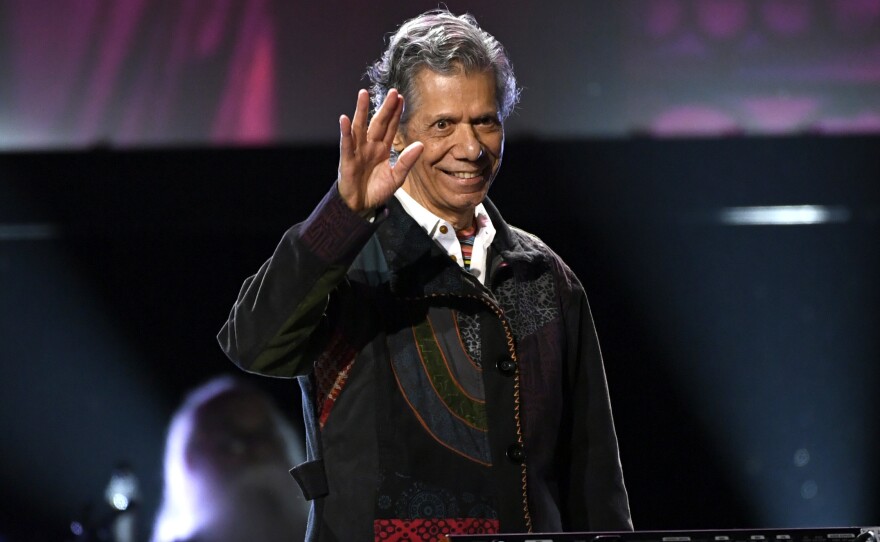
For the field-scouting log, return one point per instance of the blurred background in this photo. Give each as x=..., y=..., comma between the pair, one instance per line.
x=709, y=168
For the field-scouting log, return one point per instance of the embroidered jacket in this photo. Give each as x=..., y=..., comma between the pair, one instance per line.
x=433, y=404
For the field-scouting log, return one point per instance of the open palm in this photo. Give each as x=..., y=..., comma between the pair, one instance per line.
x=366, y=177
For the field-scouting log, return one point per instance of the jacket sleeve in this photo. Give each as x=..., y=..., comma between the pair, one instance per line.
x=597, y=498
x=279, y=321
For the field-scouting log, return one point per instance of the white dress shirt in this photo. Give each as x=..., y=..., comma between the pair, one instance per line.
x=443, y=233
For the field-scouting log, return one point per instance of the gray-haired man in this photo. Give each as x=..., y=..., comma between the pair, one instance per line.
x=451, y=374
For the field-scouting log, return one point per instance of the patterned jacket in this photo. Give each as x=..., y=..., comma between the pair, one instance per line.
x=433, y=404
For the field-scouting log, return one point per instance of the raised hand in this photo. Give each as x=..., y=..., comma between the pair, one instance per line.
x=366, y=178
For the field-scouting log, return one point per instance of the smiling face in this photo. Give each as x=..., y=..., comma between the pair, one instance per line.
x=456, y=117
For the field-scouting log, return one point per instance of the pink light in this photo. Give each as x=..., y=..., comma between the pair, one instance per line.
x=778, y=115
x=257, y=112
x=722, y=19
x=246, y=112
x=856, y=15
x=694, y=120
x=48, y=50
x=866, y=122
x=787, y=18
x=213, y=28
x=664, y=17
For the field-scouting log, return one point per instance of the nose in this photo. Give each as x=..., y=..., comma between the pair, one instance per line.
x=467, y=145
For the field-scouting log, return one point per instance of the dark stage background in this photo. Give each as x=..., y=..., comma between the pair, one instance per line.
x=742, y=360
x=152, y=153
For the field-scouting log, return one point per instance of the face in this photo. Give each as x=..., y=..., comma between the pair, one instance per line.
x=233, y=432
x=456, y=118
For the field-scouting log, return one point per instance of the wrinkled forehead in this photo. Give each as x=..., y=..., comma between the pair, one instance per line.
x=430, y=89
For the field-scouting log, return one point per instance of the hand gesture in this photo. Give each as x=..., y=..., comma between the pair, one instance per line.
x=366, y=177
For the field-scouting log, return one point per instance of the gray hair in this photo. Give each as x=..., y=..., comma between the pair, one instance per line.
x=444, y=43
x=177, y=516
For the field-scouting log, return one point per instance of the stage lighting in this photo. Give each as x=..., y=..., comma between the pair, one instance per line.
x=123, y=490
x=783, y=215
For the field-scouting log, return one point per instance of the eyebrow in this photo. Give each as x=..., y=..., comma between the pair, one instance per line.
x=493, y=113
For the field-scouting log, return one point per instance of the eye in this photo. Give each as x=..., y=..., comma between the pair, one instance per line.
x=442, y=124
x=488, y=121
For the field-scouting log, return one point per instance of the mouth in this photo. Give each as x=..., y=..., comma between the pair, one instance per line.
x=467, y=177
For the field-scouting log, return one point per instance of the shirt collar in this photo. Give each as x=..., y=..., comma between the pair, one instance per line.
x=431, y=222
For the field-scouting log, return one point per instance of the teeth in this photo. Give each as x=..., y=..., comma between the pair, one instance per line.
x=463, y=175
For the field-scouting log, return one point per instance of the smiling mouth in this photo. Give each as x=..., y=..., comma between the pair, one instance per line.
x=464, y=175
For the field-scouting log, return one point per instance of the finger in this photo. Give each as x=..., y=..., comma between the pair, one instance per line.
x=394, y=124
x=361, y=112
x=406, y=160
x=379, y=125
x=346, y=144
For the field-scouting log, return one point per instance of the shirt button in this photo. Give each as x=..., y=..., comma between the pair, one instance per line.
x=454, y=259
x=444, y=229
x=516, y=454
x=507, y=367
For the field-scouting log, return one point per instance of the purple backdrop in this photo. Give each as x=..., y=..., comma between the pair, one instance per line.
x=143, y=72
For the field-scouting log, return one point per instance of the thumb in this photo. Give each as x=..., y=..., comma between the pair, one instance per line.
x=406, y=160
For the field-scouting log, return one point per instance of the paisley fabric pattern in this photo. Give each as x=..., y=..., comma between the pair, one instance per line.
x=430, y=530
x=528, y=304
x=331, y=374
x=425, y=512
x=469, y=330
x=424, y=501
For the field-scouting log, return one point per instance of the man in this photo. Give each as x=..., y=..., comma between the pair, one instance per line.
x=226, y=461
x=451, y=375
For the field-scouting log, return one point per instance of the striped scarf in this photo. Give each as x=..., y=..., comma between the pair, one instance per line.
x=466, y=238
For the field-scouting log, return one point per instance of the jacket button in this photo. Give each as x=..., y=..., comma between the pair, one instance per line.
x=507, y=367
x=516, y=454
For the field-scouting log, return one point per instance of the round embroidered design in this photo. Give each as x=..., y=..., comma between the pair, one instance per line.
x=421, y=501
x=426, y=505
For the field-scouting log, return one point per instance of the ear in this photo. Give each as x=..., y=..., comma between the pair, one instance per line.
x=399, y=142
